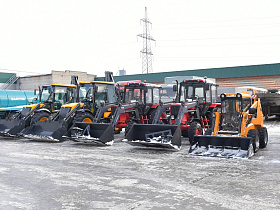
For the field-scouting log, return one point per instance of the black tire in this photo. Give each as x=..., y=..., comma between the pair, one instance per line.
x=254, y=134
x=208, y=132
x=40, y=116
x=263, y=137
x=128, y=127
x=83, y=117
x=195, y=129
x=185, y=133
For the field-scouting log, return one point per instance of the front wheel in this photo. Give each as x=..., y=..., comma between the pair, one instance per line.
x=195, y=129
x=263, y=137
x=83, y=117
x=40, y=116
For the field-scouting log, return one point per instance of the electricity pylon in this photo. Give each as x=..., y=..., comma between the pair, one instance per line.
x=146, y=51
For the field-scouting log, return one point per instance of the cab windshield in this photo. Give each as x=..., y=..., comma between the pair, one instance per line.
x=105, y=94
x=191, y=92
x=61, y=94
x=231, y=108
x=85, y=91
x=134, y=94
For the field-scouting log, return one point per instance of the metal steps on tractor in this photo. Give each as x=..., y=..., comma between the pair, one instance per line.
x=222, y=146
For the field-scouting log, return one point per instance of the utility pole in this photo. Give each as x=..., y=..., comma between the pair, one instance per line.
x=146, y=51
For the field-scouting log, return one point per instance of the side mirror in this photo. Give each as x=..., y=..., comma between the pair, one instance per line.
x=35, y=92
x=207, y=86
x=252, y=111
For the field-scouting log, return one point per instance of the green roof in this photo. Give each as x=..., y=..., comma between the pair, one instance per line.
x=226, y=72
x=4, y=77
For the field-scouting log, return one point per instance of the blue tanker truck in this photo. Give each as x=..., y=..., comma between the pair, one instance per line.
x=12, y=101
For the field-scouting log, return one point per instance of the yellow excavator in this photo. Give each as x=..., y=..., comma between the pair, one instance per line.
x=237, y=130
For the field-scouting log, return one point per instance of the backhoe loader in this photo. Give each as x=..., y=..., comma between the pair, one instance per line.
x=236, y=132
x=93, y=96
x=51, y=98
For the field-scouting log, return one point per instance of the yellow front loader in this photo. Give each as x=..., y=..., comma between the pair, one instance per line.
x=237, y=130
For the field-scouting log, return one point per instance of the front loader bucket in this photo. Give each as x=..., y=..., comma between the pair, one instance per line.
x=11, y=127
x=222, y=146
x=46, y=131
x=92, y=133
x=155, y=135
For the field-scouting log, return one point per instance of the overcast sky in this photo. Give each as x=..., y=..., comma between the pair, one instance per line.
x=101, y=35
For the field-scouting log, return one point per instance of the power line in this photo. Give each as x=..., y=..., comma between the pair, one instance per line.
x=215, y=21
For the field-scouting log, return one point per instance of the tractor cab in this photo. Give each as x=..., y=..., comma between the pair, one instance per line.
x=95, y=93
x=205, y=93
x=56, y=95
x=145, y=94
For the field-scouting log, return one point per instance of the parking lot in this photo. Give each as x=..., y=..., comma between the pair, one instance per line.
x=38, y=175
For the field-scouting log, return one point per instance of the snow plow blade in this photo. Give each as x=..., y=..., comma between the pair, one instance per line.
x=222, y=146
x=92, y=133
x=155, y=135
x=11, y=127
x=51, y=131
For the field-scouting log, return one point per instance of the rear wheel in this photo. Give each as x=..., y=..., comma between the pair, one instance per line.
x=40, y=116
x=83, y=117
x=185, y=133
x=263, y=137
x=195, y=129
x=253, y=133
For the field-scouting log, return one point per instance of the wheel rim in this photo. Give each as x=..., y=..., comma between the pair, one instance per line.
x=198, y=131
x=87, y=120
x=44, y=118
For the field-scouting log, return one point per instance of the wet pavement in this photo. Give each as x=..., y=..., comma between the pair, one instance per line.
x=38, y=175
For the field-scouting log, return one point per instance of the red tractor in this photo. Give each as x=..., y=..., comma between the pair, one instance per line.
x=140, y=101
x=198, y=118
